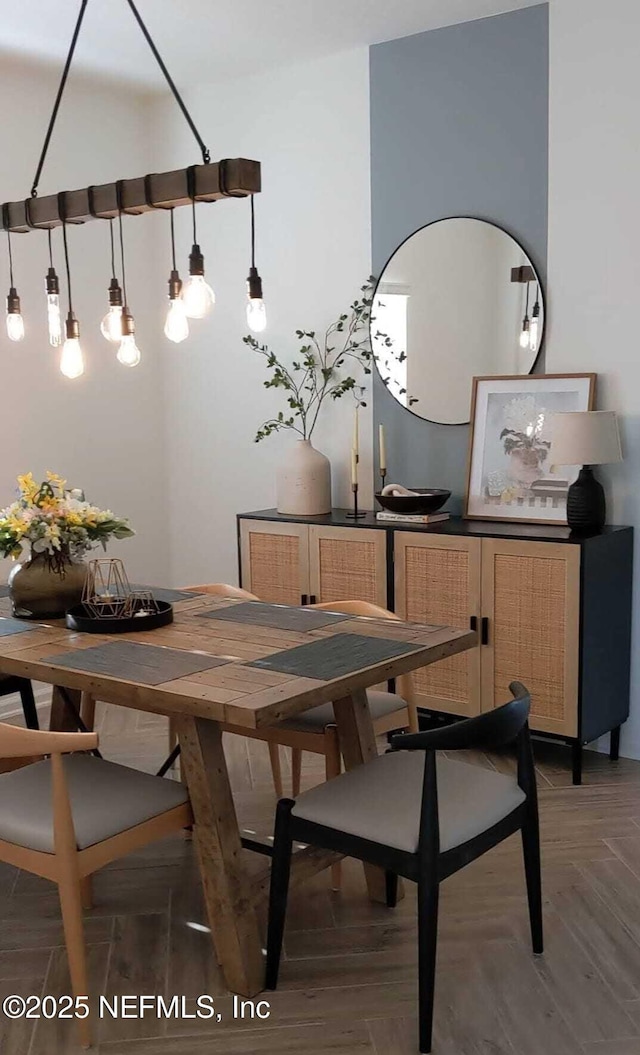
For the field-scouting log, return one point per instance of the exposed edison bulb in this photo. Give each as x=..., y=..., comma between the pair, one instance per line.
x=256, y=314
x=128, y=352
x=72, y=358
x=111, y=325
x=15, y=326
x=534, y=330
x=54, y=319
x=176, y=327
x=525, y=335
x=198, y=297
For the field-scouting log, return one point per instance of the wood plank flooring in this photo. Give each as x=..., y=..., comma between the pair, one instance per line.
x=348, y=982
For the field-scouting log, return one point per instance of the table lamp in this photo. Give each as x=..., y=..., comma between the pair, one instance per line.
x=585, y=438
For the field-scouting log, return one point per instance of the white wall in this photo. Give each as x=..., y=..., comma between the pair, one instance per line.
x=104, y=431
x=594, y=214
x=309, y=126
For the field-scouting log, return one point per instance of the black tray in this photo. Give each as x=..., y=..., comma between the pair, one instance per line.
x=79, y=618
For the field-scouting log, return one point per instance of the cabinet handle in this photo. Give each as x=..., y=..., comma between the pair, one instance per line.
x=473, y=622
x=312, y=599
x=484, y=633
x=304, y=599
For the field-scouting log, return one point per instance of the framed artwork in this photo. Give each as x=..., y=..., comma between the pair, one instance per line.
x=510, y=476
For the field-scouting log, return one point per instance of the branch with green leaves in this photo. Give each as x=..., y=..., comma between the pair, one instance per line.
x=316, y=374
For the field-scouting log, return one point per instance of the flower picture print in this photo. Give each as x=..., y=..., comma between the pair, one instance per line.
x=510, y=473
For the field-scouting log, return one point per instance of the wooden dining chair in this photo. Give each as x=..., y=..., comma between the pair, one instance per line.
x=422, y=818
x=70, y=814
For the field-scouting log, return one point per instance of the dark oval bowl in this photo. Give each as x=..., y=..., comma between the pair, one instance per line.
x=427, y=500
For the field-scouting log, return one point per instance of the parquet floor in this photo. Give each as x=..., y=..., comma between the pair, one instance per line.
x=349, y=978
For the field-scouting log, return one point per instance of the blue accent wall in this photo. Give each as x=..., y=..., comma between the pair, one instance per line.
x=459, y=126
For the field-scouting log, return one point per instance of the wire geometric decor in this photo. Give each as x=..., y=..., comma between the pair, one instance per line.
x=108, y=594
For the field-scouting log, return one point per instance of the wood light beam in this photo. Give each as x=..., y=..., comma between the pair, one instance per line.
x=229, y=178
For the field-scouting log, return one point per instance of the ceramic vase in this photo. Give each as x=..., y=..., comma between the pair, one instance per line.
x=303, y=482
x=40, y=591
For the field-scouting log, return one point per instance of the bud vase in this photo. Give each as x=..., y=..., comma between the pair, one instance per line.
x=40, y=591
x=303, y=482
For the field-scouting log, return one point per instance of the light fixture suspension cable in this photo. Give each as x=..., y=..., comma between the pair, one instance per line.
x=253, y=235
x=56, y=105
x=206, y=156
x=10, y=258
x=50, y=247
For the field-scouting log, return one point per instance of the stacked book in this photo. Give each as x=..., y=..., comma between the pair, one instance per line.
x=412, y=518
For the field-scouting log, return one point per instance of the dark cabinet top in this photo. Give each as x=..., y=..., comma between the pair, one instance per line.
x=453, y=526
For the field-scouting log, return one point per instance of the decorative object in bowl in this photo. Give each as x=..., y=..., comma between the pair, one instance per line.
x=417, y=500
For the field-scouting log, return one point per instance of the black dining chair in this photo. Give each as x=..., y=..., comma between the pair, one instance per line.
x=9, y=685
x=423, y=818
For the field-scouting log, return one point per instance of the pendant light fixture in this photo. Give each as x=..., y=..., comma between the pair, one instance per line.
x=534, y=330
x=111, y=325
x=525, y=336
x=256, y=311
x=128, y=353
x=206, y=182
x=72, y=358
x=197, y=295
x=52, y=287
x=15, y=322
x=176, y=327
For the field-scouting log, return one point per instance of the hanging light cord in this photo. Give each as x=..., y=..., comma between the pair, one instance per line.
x=173, y=244
x=526, y=310
x=193, y=214
x=253, y=235
x=66, y=263
x=10, y=258
x=50, y=247
x=124, y=276
x=206, y=156
x=113, y=250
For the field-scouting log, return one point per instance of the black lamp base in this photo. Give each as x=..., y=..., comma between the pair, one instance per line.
x=586, y=508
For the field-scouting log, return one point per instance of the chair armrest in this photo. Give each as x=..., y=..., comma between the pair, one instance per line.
x=16, y=742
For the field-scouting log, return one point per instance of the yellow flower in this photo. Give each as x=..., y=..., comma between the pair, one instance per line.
x=56, y=482
x=28, y=486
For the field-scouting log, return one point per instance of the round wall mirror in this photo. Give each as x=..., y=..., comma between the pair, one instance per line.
x=458, y=299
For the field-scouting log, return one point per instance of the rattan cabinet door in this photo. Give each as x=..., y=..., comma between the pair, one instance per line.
x=531, y=599
x=274, y=560
x=348, y=564
x=437, y=580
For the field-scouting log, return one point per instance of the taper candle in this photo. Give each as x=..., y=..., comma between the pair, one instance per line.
x=354, y=466
x=356, y=433
x=383, y=448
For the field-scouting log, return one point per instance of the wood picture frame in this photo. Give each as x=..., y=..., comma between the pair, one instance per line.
x=507, y=478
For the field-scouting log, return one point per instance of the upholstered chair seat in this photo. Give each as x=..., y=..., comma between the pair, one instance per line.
x=106, y=799
x=364, y=802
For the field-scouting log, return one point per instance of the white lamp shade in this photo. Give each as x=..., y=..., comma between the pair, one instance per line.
x=587, y=437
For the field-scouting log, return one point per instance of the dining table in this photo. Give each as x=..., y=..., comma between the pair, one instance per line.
x=231, y=663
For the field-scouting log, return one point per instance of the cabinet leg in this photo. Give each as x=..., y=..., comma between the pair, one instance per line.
x=614, y=744
x=576, y=755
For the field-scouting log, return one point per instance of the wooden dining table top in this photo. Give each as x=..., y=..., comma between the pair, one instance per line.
x=237, y=662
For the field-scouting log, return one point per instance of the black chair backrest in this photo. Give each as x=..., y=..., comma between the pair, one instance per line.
x=484, y=732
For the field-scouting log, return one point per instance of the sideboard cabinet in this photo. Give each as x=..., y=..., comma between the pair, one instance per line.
x=552, y=610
